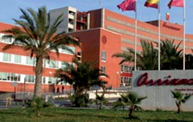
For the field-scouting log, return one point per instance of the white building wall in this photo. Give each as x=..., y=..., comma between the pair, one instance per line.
x=66, y=16
x=160, y=97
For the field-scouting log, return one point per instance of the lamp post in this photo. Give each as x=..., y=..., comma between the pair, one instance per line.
x=14, y=84
x=24, y=93
x=117, y=80
x=49, y=82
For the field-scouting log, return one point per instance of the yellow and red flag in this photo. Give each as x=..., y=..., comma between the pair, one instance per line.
x=152, y=3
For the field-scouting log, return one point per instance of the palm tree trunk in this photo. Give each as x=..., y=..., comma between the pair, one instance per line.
x=79, y=94
x=131, y=111
x=101, y=105
x=38, y=73
x=179, y=108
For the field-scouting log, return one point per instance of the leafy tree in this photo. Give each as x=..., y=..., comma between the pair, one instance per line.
x=130, y=99
x=147, y=59
x=180, y=98
x=38, y=35
x=82, y=76
x=171, y=55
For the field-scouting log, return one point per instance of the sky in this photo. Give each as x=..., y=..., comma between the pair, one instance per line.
x=9, y=9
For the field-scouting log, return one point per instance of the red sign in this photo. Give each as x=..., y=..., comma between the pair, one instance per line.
x=143, y=80
x=170, y=26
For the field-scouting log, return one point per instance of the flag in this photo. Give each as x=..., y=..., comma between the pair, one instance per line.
x=127, y=5
x=152, y=3
x=168, y=16
x=176, y=3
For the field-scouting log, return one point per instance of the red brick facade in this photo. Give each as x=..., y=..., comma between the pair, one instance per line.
x=109, y=33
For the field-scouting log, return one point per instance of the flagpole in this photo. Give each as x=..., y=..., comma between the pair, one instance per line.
x=159, y=16
x=184, y=39
x=135, y=63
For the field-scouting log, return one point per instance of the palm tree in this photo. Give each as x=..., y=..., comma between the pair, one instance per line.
x=82, y=76
x=101, y=99
x=119, y=103
x=147, y=59
x=180, y=98
x=130, y=99
x=171, y=55
x=38, y=36
x=189, y=61
x=37, y=105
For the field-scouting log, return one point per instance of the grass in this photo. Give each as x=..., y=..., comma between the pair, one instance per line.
x=91, y=115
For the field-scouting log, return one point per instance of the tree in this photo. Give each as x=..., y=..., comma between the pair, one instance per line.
x=189, y=61
x=101, y=99
x=37, y=105
x=130, y=99
x=171, y=55
x=38, y=36
x=82, y=76
x=180, y=98
x=147, y=59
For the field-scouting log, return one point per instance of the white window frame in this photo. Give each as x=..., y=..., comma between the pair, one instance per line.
x=9, y=57
x=103, y=56
x=103, y=69
x=18, y=59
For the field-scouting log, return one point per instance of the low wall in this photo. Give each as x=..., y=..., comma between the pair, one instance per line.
x=157, y=86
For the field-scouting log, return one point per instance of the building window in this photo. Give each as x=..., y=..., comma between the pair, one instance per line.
x=125, y=81
x=126, y=68
x=79, y=55
x=63, y=50
x=29, y=61
x=17, y=59
x=30, y=78
x=3, y=76
x=63, y=65
x=7, y=40
x=52, y=80
x=103, y=69
x=7, y=57
x=53, y=64
x=103, y=56
x=14, y=77
x=43, y=80
x=10, y=76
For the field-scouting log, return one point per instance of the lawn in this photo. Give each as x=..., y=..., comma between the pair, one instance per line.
x=91, y=115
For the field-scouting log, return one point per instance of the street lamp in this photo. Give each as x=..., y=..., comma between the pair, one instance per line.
x=117, y=81
x=24, y=93
x=118, y=73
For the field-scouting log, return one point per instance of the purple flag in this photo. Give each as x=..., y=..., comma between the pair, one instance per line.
x=127, y=5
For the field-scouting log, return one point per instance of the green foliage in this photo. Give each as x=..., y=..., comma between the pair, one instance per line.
x=100, y=99
x=37, y=105
x=82, y=76
x=189, y=61
x=53, y=114
x=146, y=59
x=37, y=34
x=79, y=100
x=171, y=55
x=130, y=99
x=180, y=98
